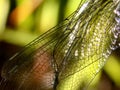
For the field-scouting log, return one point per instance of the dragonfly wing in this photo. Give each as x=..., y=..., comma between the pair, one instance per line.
x=79, y=50
x=87, y=54
x=32, y=68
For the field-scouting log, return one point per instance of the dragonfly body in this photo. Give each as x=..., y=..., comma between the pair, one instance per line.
x=71, y=60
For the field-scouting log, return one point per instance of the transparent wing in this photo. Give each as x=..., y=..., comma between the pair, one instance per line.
x=32, y=68
x=70, y=54
x=83, y=58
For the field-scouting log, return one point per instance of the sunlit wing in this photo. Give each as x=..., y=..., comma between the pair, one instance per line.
x=83, y=58
x=68, y=55
x=32, y=67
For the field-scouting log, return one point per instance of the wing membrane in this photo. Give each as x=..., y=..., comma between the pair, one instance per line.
x=32, y=68
x=70, y=54
x=91, y=47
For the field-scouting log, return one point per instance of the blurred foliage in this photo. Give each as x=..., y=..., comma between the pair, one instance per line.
x=23, y=20
x=31, y=17
x=4, y=9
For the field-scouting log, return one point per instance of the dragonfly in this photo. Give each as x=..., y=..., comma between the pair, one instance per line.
x=71, y=54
